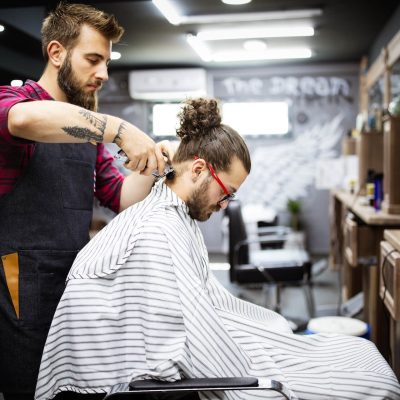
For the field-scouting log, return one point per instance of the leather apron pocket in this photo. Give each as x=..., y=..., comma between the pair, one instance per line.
x=11, y=276
x=75, y=175
x=42, y=275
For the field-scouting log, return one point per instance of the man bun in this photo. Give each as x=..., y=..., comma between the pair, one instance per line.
x=198, y=118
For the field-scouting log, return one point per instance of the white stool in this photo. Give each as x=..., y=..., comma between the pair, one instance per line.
x=337, y=324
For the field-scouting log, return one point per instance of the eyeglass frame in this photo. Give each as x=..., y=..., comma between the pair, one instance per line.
x=228, y=195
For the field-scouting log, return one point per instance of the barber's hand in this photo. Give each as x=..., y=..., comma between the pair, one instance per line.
x=142, y=153
x=168, y=149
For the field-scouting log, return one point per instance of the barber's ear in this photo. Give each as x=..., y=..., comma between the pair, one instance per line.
x=197, y=167
x=56, y=52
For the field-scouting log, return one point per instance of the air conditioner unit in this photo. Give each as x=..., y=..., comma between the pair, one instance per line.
x=167, y=84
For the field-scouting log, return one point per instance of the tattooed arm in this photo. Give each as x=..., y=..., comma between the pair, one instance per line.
x=59, y=122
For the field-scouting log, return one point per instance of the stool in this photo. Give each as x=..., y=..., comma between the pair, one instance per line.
x=338, y=324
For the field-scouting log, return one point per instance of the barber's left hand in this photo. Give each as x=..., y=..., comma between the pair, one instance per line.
x=168, y=149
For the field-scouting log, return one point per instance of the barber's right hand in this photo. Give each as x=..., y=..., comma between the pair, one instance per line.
x=142, y=153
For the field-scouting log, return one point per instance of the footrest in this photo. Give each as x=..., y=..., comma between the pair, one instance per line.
x=198, y=383
x=138, y=388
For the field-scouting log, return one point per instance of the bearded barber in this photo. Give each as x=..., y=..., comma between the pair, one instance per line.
x=52, y=163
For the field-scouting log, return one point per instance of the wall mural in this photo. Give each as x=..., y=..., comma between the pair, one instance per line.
x=287, y=170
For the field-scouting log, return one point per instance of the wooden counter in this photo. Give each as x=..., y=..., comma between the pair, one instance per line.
x=355, y=249
x=368, y=214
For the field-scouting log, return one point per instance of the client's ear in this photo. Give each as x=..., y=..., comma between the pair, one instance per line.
x=198, y=166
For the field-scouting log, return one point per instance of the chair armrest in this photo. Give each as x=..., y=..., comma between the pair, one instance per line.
x=271, y=239
x=195, y=385
x=277, y=230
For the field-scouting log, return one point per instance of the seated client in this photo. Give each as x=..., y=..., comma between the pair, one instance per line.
x=141, y=302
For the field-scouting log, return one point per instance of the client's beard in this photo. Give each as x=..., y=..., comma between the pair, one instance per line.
x=69, y=85
x=198, y=203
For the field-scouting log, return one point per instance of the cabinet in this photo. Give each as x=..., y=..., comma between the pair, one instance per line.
x=389, y=291
x=359, y=242
x=357, y=249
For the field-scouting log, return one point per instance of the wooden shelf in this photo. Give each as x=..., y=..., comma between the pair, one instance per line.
x=368, y=214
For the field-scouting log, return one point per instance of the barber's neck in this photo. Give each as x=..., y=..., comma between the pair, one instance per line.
x=48, y=81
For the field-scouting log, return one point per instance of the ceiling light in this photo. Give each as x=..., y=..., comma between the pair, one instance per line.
x=282, y=31
x=250, y=16
x=1, y=28
x=174, y=17
x=115, y=55
x=254, y=45
x=207, y=55
x=236, y=2
x=199, y=47
x=168, y=10
x=16, y=82
x=278, y=54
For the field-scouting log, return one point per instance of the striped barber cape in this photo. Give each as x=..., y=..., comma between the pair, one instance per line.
x=141, y=302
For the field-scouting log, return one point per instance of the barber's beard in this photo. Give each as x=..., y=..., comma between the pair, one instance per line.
x=198, y=203
x=70, y=86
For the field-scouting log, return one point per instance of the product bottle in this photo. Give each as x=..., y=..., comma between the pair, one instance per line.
x=378, y=191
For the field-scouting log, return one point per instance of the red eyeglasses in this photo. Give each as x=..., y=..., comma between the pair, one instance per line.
x=228, y=195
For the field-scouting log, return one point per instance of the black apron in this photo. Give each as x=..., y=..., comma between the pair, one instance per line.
x=44, y=222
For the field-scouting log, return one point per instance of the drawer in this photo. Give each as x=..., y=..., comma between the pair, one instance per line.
x=351, y=280
x=359, y=243
x=389, y=279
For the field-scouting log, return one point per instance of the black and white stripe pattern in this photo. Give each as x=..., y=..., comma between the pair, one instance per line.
x=141, y=303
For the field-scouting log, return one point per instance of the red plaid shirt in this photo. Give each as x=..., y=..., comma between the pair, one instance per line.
x=15, y=153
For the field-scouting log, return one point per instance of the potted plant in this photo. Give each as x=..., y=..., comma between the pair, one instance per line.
x=294, y=207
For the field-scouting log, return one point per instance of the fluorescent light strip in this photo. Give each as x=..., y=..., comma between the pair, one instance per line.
x=236, y=2
x=227, y=34
x=199, y=47
x=279, y=54
x=2, y=28
x=247, y=17
x=169, y=11
x=173, y=16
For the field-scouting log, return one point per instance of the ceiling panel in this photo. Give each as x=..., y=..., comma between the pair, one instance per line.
x=344, y=32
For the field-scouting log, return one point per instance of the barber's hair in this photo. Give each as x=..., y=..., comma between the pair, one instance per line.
x=202, y=134
x=64, y=24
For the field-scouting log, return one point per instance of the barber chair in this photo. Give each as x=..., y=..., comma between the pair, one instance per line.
x=188, y=389
x=273, y=264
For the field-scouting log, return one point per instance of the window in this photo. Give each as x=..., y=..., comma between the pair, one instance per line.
x=257, y=118
x=248, y=118
x=165, y=119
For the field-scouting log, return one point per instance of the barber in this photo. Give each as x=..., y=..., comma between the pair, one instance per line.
x=52, y=163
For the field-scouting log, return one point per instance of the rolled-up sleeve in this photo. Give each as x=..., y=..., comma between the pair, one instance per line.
x=108, y=180
x=9, y=96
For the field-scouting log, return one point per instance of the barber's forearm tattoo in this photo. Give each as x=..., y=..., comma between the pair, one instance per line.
x=83, y=133
x=86, y=133
x=121, y=129
x=95, y=120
